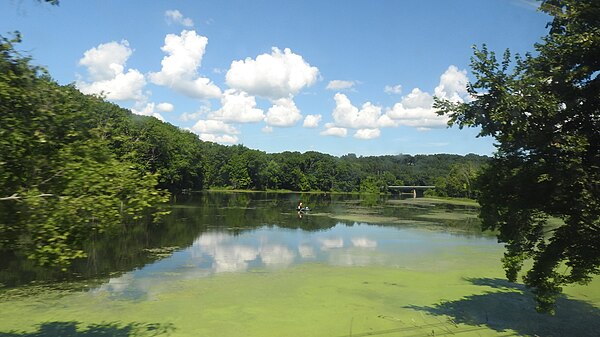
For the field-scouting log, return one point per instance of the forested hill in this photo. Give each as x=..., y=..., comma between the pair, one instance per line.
x=184, y=162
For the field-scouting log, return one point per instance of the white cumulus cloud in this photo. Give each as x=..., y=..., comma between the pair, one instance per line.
x=367, y=133
x=165, y=107
x=275, y=75
x=192, y=116
x=393, y=89
x=180, y=66
x=312, y=121
x=369, y=116
x=107, y=60
x=340, y=84
x=453, y=85
x=149, y=109
x=238, y=106
x=216, y=131
x=175, y=16
x=222, y=139
x=283, y=113
x=213, y=126
x=332, y=130
x=416, y=108
x=105, y=65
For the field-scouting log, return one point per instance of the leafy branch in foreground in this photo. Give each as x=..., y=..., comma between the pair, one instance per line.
x=60, y=182
x=544, y=113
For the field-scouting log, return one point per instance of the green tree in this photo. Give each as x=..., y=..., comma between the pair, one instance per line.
x=544, y=113
x=158, y=147
x=324, y=174
x=371, y=185
x=256, y=162
x=60, y=183
x=460, y=180
x=94, y=192
x=273, y=174
x=300, y=181
x=238, y=172
x=346, y=176
x=216, y=157
x=290, y=163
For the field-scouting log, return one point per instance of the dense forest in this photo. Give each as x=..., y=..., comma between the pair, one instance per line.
x=67, y=158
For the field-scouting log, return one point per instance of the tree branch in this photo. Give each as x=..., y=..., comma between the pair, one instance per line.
x=15, y=196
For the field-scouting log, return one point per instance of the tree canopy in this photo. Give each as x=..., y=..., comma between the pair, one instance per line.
x=60, y=181
x=543, y=109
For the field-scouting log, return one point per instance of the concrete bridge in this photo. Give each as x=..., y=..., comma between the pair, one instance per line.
x=415, y=191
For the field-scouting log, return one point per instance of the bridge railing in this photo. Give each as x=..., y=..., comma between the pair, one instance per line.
x=409, y=189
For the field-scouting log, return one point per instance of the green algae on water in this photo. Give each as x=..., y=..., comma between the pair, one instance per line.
x=319, y=300
x=420, y=268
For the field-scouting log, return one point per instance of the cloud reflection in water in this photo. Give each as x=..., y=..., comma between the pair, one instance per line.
x=274, y=248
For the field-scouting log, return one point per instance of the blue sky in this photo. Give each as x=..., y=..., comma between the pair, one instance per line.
x=331, y=76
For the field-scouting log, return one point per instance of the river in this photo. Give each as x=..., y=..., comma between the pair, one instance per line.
x=247, y=264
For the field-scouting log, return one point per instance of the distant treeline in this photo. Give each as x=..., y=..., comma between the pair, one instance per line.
x=184, y=162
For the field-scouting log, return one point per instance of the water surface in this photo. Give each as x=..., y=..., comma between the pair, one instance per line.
x=246, y=264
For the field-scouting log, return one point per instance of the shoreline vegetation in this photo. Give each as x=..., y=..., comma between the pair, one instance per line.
x=407, y=200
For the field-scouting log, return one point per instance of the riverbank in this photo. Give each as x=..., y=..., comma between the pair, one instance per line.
x=437, y=200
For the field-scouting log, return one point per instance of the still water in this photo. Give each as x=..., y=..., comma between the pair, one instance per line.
x=247, y=264
x=215, y=232
x=248, y=232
